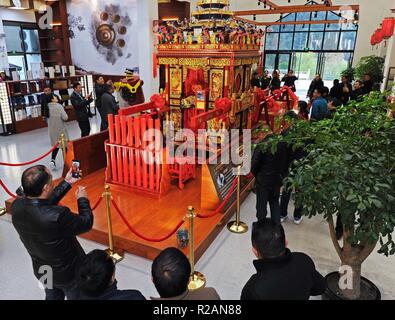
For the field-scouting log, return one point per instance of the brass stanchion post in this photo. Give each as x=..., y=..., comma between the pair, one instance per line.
x=3, y=211
x=197, y=279
x=107, y=196
x=63, y=145
x=238, y=226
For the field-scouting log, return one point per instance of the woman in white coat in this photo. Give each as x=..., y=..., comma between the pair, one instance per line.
x=56, y=126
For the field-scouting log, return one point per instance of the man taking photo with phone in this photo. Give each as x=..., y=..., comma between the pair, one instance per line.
x=48, y=230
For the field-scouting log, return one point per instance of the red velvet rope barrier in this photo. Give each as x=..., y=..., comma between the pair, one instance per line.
x=29, y=162
x=138, y=233
x=97, y=203
x=6, y=189
x=218, y=210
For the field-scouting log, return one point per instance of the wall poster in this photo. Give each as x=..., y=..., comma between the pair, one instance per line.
x=103, y=35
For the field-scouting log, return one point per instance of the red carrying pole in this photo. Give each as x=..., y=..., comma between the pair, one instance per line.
x=158, y=170
x=144, y=151
x=119, y=149
x=151, y=172
x=131, y=152
x=111, y=133
x=137, y=150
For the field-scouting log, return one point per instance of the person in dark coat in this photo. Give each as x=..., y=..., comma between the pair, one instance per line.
x=95, y=278
x=289, y=80
x=317, y=83
x=357, y=92
x=268, y=169
x=266, y=79
x=336, y=90
x=275, y=83
x=46, y=98
x=108, y=105
x=281, y=274
x=367, y=83
x=292, y=156
x=346, y=90
x=255, y=81
x=100, y=88
x=48, y=230
x=82, y=110
x=171, y=272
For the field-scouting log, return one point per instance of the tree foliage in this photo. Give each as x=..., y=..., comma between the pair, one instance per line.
x=349, y=170
x=372, y=65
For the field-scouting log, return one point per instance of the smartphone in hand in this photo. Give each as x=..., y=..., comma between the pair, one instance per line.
x=75, y=169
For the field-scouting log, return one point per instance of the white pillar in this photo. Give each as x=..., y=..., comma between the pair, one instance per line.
x=147, y=13
x=3, y=48
x=389, y=60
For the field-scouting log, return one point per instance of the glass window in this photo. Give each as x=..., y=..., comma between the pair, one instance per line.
x=302, y=27
x=18, y=62
x=288, y=27
x=315, y=42
x=272, y=41
x=32, y=58
x=333, y=26
x=31, y=43
x=321, y=15
x=332, y=16
x=300, y=40
x=317, y=27
x=347, y=40
x=286, y=41
x=303, y=16
x=331, y=40
x=349, y=26
x=13, y=38
x=270, y=62
x=274, y=28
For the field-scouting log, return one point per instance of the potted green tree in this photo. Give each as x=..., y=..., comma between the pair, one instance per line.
x=372, y=65
x=349, y=172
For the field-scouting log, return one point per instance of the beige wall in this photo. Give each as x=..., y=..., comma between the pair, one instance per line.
x=371, y=14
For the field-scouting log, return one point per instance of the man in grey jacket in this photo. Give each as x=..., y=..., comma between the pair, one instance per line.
x=108, y=105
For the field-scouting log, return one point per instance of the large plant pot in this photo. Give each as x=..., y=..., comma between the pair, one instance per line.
x=369, y=291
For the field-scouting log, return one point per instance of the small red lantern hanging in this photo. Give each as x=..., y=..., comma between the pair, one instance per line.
x=378, y=35
x=388, y=28
x=373, y=41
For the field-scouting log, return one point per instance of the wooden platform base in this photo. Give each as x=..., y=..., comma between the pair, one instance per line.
x=153, y=218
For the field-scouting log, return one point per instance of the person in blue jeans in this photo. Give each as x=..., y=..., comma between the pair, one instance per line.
x=292, y=155
x=319, y=109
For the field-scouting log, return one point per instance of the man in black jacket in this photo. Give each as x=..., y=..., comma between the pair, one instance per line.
x=108, y=105
x=317, y=83
x=46, y=98
x=268, y=169
x=96, y=279
x=281, y=274
x=82, y=110
x=100, y=88
x=48, y=230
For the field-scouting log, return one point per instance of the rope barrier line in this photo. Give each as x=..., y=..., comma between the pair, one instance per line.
x=138, y=233
x=7, y=190
x=29, y=162
x=97, y=204
x=216, y=211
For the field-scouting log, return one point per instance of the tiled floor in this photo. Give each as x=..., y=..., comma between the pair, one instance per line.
x=227, y=264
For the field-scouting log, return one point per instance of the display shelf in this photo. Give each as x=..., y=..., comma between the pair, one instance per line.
x=29, y=124
x=13, y=102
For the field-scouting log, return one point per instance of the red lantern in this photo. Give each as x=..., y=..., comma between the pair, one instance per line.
x=373, y=41
x=387, y=29
x=378, y=35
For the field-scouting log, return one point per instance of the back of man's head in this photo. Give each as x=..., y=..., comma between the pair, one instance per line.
x=170, y=273
x=268, y=238
x=34, y=179
x=95, y=273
